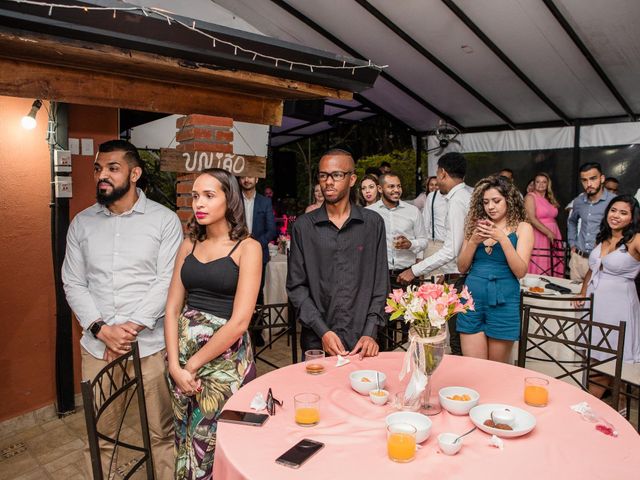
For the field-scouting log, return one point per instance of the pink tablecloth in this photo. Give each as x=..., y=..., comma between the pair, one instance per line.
x=561, y=446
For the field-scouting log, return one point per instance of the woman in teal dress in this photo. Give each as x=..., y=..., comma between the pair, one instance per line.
x=210, y=303
x=495, y=254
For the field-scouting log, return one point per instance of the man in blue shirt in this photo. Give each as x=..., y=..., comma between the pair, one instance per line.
x=588, y=207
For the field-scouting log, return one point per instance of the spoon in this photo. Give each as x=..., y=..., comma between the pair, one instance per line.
x=378, y=380
x=466, y=433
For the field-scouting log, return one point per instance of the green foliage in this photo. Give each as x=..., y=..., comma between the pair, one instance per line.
x=160, y=186
x=403, y=162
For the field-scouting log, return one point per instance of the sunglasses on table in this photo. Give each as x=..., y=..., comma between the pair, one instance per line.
x=272, y=402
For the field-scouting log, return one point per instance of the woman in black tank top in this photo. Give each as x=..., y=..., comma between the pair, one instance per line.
x=211, y=300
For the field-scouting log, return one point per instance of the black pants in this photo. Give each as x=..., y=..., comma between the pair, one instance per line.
x=454, y=336
x=256, y=335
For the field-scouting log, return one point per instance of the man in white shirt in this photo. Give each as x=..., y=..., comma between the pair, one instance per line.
x=116, y=273
x=403, y=223
x=452, y=168
x=434, y=215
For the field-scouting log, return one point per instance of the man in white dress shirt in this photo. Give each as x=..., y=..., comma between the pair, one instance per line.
x=403, y=224
x=452, y=168
x=116, y=273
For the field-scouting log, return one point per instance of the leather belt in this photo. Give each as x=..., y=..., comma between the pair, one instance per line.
x=582, y=254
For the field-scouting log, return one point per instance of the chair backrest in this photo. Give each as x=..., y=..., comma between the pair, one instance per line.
x=558, y=322
x=558, y=259
x=114, y=388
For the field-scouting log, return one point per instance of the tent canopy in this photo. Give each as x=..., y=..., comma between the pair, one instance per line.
x=479, y=65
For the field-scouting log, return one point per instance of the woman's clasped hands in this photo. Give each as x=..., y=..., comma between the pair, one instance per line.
x=186, y=381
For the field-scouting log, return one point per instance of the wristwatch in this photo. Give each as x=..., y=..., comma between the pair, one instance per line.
x=95, y=328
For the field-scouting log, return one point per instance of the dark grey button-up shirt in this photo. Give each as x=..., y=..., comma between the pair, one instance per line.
x=337, y=278
x=591, y=215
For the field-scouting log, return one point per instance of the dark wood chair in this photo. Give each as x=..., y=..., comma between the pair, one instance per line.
x=278, y=320
x=544, y=327
x=115, y=388
x=558, y=257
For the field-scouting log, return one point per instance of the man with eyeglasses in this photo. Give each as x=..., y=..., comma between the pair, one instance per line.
x=337, y=278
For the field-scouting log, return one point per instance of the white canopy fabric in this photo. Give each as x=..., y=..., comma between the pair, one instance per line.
x=482, y=65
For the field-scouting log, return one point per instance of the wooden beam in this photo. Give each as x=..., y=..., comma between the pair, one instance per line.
x=172, y=160
x=77, y=54
x=33, y=80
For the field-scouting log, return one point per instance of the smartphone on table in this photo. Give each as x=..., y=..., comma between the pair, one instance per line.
x=299, y=453
x=243, y=418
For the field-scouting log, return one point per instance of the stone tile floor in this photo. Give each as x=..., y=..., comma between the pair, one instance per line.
x=53, y=449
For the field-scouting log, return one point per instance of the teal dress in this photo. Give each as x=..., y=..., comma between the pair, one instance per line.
x=496, y=294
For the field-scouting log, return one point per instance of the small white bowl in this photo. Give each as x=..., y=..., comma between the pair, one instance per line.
x=446, y=444
x=503, y=416
x=379, y=399
x=364, y=387
x=421, y=422
x=458, y=407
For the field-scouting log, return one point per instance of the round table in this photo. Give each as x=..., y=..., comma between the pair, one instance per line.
x=562, y=445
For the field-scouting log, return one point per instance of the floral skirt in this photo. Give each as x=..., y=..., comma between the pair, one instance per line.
x=196, y=417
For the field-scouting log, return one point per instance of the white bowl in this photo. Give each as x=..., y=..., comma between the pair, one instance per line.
x=421, y=422
x=379, y=399
x=446, y=444
x=531, y=282
x=458, y=407
x=364, y=387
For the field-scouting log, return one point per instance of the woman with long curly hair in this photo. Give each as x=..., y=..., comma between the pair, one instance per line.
x=209, y=355
x=614, y=264
x=495, y=254
x=542, y=209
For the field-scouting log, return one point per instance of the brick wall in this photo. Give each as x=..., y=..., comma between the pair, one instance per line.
x=200, y=133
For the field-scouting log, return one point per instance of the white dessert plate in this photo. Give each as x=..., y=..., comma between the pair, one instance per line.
x=525, y=422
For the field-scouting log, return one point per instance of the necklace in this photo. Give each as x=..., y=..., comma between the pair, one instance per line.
x=489, y=248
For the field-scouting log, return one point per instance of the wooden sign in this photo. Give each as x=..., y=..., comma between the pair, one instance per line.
x=171, y=160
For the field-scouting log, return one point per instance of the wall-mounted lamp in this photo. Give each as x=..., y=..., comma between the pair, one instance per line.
x=29, y=120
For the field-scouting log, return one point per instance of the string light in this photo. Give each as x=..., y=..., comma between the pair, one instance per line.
x=162, y=13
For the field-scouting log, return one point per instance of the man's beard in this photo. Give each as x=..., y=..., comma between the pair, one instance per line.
x=589, y=195
x=115, y=195
x=333, y=201
x=390, y=200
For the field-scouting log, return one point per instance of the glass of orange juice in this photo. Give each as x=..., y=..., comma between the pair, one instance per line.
x=536, y=391
x=307, y=408
x=313, y=360
x=401, y=442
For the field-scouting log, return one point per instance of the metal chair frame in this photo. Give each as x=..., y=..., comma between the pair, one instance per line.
x=557, y=255
x=272, y=316
x=581, y=344
x=109, y=385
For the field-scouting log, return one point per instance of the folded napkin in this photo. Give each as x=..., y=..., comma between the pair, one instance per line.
x=342, y=361
x=258, y=402
x=497, y=442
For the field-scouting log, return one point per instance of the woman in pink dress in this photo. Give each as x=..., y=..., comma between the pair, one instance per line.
x=542, y=209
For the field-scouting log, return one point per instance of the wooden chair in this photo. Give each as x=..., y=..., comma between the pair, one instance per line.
x=114, y=388
x=279, y=321
x=544, y=327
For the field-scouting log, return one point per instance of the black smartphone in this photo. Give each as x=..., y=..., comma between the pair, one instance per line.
x=243, y=418
x=299, y=453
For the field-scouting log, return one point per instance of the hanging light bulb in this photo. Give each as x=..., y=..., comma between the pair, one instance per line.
x=29, y=120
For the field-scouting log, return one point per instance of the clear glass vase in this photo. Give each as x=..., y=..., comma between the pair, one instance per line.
x=431, y=343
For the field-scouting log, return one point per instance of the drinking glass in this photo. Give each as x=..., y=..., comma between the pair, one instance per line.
x=536, y=391
x=307, y=408
x=313, y=360
x=401, y=442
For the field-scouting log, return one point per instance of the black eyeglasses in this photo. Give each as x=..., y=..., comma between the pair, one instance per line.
x=337, y=176
x=272, y=402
